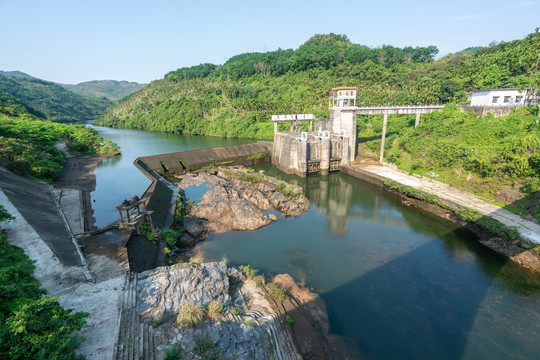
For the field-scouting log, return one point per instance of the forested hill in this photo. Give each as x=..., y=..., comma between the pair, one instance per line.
x=237, y=98
x=109, y=89
x=16, y=73
x=48, y=100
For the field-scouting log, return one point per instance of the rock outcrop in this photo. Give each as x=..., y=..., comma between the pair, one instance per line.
x=248, y=329
x=233, y=203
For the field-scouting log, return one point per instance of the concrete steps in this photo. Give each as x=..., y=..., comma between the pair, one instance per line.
x=135, y=339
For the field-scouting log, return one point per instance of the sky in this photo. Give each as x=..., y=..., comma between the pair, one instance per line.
x=72, y=41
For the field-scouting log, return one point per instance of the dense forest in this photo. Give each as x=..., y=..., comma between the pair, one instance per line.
x=27, y=143
x=48, y=100
x=109, y=89
x=237, y=98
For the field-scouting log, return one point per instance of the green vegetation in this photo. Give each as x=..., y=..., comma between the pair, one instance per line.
x=31, y=326
x=276, y=292
x=190, y=315
x=109, y=89
x=45, y=99
x=215, y=310
x=206, y=349
x=237, y=98
x=27, y=144
x=172, y=354
x=250, y=273
x=498, y=158
x=491, y=226
x=289, y=320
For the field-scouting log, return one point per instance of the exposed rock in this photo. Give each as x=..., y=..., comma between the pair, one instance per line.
x=257, y=334
x=233, y=204
x=296, y=206
x=224, y=207
x=278, y=200
x=162, y=291
x=194, y=227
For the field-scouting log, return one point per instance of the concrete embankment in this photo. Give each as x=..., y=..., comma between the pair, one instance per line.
x=42, y=229
x=160, y=197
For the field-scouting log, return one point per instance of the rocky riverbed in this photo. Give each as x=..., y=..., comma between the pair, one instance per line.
x=251, y=323
x=236, y=199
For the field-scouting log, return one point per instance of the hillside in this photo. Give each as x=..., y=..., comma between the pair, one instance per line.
x=48, y=100
x=16, y=73
x=237, y=98
x=109, y=89
x=28, y=144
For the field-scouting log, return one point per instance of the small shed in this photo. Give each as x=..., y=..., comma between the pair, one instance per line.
x=499, y=97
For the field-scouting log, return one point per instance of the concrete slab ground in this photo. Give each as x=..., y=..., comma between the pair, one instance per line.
x=527, y=229
x=41, y=230
x=70, y=201
x=36, y=203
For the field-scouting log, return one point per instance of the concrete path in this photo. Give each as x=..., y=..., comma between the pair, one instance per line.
x=527, y=229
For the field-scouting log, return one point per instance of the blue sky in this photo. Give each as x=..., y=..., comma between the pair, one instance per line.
x=74, y=41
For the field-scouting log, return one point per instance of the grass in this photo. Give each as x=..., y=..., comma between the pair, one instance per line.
x=215, y=310
x=190, y=315
x=235, y=310
x=287, y=189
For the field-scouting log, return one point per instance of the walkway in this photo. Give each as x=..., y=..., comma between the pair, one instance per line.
x=527, y=229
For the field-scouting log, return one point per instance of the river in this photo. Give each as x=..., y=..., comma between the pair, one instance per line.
x=399, y=283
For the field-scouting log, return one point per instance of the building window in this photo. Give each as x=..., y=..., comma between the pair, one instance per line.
x=495, y=100
x=518, y=99
x=507, y=99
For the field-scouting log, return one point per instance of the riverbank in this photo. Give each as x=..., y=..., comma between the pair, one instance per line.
x=456, y=202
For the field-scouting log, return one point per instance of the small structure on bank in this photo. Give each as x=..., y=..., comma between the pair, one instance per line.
x=320, y=146
x=135, y=212
x=502, y=97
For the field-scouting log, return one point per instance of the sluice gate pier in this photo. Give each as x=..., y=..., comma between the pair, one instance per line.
x=329, y=144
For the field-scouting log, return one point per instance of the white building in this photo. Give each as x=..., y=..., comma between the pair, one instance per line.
x=499, y=97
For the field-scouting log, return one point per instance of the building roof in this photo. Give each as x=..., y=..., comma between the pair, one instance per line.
x=484, y=90
x=345, y=88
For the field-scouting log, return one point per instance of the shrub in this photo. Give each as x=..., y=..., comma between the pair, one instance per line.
x=289, y=320
x=276, y=292
x=172, y=354
x=170, y=237
x=250, y=273
x=190, y=315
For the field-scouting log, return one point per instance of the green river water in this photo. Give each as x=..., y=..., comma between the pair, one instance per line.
x=399, y=283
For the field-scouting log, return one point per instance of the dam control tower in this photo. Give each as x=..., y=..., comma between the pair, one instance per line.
x=317, y=145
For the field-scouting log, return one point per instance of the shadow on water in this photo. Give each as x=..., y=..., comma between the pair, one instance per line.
x=445, y=298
